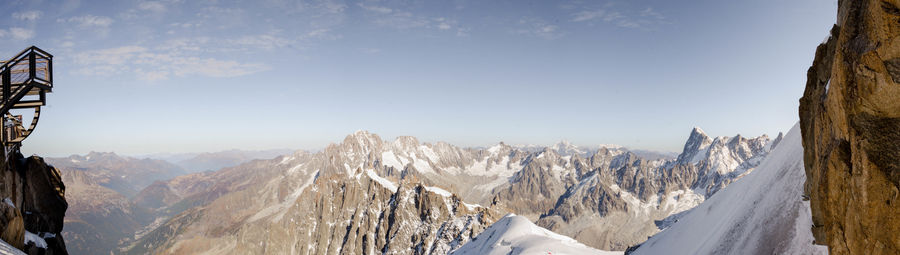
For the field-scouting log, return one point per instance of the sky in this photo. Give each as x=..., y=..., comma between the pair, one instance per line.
x=137, y=77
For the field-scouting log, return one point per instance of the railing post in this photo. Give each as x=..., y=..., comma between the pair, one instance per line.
x=32, y=65
x=50, y=70
x=6, y=86
x=6, y=90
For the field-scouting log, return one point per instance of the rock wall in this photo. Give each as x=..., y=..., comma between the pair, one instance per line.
x=33, y=205
x=850, y=120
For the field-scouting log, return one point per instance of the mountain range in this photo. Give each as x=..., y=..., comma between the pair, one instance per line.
x=402, y=196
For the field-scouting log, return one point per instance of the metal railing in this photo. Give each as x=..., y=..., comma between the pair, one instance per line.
x=30, y=69
x=29, y=73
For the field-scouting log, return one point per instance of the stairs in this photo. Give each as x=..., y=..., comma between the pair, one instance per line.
x=24, y=82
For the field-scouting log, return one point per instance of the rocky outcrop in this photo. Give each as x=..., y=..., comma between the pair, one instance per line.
x=357, y=214
x=534, y=190
x=33, y=205
x=850, y=118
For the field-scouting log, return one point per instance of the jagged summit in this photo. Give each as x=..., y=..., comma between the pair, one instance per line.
x=697, y=130
x=776, y=141
x=697, y=142
x=565, y=148
x=362, y=138
x=722, y=159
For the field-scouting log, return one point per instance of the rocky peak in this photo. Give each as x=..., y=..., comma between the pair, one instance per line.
x=499, y=150
x=405, y=144
x=721, y=160
x=565, y=148
x=696, y=143
x=775, y=142
x=361, y=142
x=96, y=157
x=102, y=156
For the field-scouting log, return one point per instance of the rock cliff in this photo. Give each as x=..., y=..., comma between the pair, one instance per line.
x=850, y=118
x=33, y=207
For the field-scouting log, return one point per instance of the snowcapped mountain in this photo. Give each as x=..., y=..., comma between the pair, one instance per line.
x=762, y=213
x=366, y=194
x=341, y=199
x=515, y=235
x=566, y=148
x=618, y=198
x=722, y=159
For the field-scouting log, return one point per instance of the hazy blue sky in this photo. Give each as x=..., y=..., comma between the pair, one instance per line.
x=184, y=76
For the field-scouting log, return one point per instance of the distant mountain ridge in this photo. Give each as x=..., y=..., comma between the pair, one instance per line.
x=108, y=201
x=211, y=161
x=124, y=175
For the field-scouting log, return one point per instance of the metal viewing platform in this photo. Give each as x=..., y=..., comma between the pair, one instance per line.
x=26, y=79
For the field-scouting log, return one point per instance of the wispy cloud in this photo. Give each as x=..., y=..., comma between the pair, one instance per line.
x=538, y=28
x=155, y=64
x=88, y=21
x=444, y=24
x=153, y=6
x=588, y=15
x=377, y=9
x=402, y=19
x=265, y=42
x=462, y=31
x=145, y=8
x=370, y=50
x=238, y=44
x=607, y=14
x=27, y=15
x=649, y=12
x=182, y=57
x=17, y=33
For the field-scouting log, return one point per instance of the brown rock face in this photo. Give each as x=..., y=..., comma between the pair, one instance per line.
x=33, y=200
x=850, y=118
x=12, y=226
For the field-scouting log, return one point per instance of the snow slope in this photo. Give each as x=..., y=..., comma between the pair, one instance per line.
x=5, y=249
x=762, y=213
x=517, y=235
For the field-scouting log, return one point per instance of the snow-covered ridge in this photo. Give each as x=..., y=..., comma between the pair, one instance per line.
x=380, y=180
x=517, y=235
x=762, y=213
